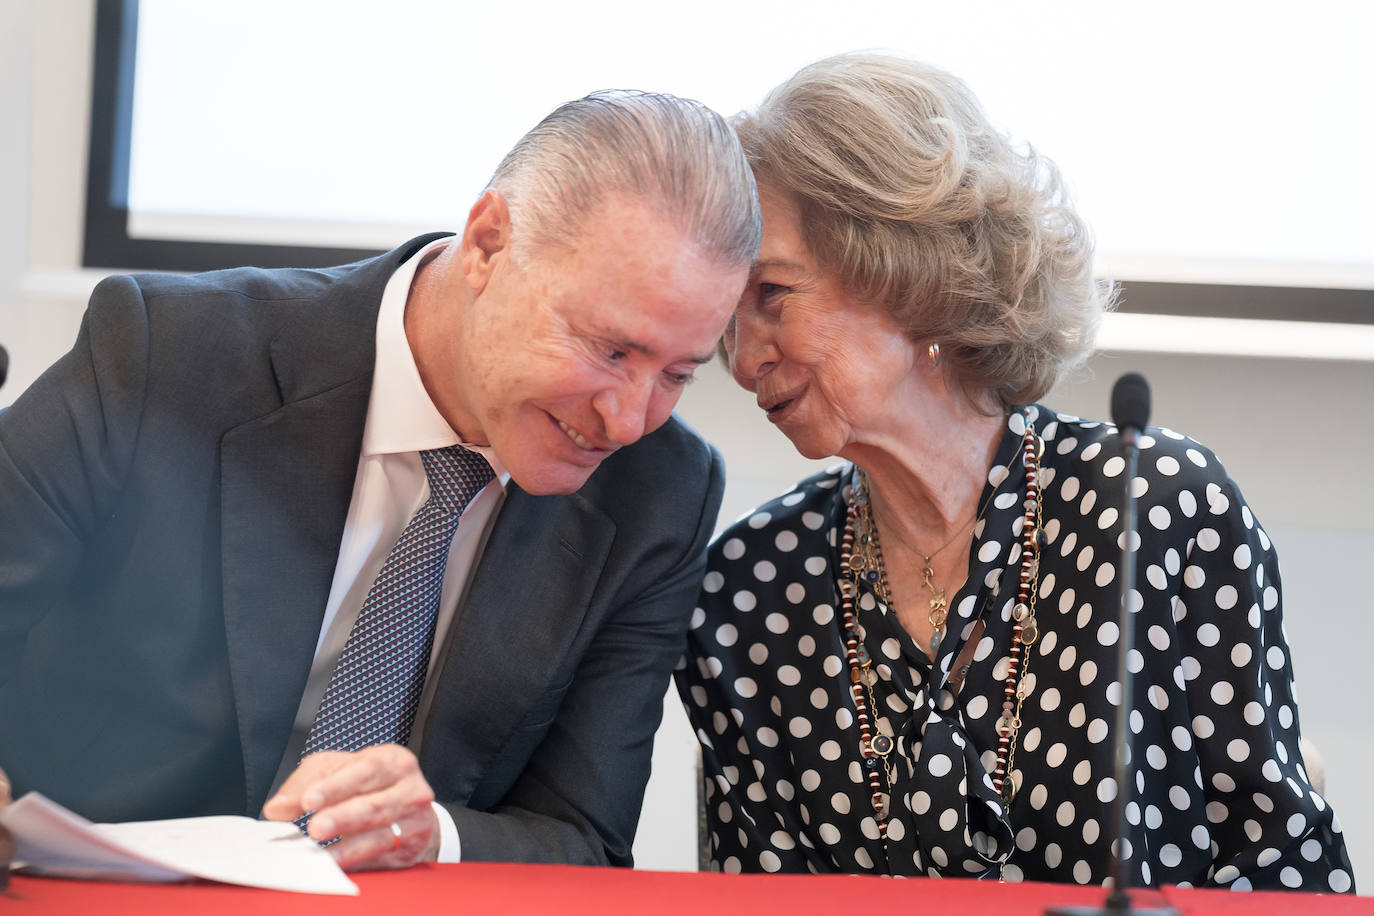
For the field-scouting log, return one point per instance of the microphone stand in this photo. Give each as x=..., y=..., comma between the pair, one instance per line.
x=1118, y=902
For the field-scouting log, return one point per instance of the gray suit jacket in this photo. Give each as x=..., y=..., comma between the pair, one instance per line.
x=172, y=495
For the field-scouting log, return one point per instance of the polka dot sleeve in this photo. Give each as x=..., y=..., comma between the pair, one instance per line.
x=1265, y=824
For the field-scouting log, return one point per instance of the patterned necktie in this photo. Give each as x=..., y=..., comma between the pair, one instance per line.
x=375, y=688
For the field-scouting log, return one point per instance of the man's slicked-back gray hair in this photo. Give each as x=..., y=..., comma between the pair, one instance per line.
x=676, y=154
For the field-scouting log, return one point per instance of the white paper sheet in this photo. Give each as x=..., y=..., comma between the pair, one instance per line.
x=51, y=840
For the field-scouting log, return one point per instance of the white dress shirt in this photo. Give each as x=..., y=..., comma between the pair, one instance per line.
x=389, y=487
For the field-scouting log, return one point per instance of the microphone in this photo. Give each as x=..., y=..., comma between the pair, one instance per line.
x=1131, y=405
x=1130, y=414
x=4, y=365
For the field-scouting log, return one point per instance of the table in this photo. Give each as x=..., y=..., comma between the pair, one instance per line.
x=494, y=890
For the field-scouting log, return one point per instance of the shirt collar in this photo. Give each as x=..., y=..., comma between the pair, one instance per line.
x=401, y=416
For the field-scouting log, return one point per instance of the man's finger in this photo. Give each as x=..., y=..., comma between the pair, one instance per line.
x=383, y=848
x=6, y=841
x=372, y=810
x=372, y=769
x=287, y=804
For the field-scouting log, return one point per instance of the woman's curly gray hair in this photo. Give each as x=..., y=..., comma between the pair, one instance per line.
x=913, y=201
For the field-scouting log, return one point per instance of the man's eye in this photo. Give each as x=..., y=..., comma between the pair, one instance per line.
x=769, y=290
x=613, y=353
x=680, y=379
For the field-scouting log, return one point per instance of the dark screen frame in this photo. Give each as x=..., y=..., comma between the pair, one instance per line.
x=106, y=242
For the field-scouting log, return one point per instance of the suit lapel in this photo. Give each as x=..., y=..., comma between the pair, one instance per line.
x=528, y=599
x=286, y=483
x=287, y=480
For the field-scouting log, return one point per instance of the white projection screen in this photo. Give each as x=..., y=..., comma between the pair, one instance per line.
x=1206, y=143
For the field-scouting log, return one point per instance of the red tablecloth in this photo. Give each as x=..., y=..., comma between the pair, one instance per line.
x=557, y=889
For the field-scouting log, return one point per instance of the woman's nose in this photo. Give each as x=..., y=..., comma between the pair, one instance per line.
x=751, y=346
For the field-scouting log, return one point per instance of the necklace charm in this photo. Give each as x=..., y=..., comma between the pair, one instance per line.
x=1009, y=787
x=939, y=609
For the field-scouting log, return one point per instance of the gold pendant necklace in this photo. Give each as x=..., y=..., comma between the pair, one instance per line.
x=939, y=607
x=867, y=561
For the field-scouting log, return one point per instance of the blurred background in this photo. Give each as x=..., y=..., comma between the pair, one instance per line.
x=1220, y=151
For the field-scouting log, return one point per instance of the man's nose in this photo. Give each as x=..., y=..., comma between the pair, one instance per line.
x=624, y=410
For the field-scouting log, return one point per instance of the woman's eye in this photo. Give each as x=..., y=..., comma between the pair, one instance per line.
x=613, y=353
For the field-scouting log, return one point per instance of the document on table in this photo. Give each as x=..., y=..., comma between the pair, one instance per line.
x=51, y=840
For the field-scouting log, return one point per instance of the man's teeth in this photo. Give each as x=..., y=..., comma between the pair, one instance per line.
x=575, y=436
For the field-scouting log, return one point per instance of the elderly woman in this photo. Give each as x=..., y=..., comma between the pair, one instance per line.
x=905, y=664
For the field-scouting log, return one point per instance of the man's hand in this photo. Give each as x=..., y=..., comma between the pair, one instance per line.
x=364, y=797
x=6, y=841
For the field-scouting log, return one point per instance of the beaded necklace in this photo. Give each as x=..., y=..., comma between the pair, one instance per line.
x=877, y=747
x=1024, y=631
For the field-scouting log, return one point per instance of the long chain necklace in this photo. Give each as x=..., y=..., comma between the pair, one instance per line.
x=875, y=746
x=1024, y=630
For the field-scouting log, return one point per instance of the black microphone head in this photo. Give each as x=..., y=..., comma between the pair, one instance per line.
x=1131, y=402
x=4, y=365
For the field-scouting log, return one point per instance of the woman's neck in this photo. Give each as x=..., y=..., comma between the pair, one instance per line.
x=927, y=471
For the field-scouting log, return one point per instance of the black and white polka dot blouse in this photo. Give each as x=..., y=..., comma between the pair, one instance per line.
x=1221, y=795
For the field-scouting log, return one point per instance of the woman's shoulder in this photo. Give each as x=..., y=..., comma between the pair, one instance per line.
x=1177, y=477
x=791, y=532
x=807, y=507
x=775, y=557
x=1164, y=453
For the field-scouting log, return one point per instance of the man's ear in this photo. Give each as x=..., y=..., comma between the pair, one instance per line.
x=486, y=239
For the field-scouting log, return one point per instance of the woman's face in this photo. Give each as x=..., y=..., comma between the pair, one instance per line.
x=829, y=371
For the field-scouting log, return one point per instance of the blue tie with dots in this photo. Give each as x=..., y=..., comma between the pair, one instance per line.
x=375, y=689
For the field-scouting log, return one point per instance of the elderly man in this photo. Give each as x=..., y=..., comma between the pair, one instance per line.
x=410, y=543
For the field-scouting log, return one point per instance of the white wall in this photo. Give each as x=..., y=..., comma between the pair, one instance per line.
x=1293, y=431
